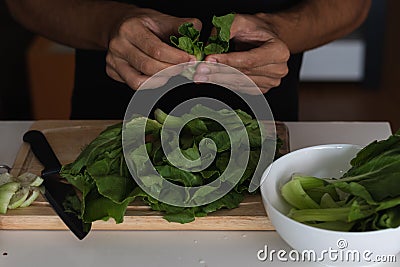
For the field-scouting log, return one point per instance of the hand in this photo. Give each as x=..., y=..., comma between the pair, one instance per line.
x=138, y=47
x=259, y=54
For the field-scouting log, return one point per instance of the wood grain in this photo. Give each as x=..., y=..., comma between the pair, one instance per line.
x=68, y=138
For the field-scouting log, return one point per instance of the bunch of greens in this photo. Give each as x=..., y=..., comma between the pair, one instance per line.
x=101, y=174
x=365, y=198
x=189, y=40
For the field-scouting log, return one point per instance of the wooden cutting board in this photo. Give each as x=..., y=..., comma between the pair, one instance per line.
x=68, y=138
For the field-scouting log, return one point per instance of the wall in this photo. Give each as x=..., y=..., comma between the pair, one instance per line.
x=51, y=75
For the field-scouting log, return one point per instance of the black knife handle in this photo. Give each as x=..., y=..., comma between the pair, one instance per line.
x=43, y=151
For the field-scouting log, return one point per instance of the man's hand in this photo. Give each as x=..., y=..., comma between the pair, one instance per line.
x=259, y=54
x=138, y=49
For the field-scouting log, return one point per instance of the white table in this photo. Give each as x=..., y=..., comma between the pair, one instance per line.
x=165, y=248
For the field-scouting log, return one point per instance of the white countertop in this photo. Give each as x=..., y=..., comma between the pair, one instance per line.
x=165, y=248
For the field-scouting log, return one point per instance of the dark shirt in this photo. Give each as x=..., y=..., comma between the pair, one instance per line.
x=97, y=96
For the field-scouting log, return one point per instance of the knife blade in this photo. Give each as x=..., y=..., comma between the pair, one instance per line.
x=56, y=191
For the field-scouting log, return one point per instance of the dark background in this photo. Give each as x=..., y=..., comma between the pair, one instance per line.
x=14, y=86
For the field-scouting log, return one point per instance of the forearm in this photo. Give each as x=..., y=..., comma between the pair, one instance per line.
x=317, y=22
x=81, y=24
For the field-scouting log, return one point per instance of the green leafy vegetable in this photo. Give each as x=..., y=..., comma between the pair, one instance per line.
x=189, y=40
x=107, y=187
x=369, y=192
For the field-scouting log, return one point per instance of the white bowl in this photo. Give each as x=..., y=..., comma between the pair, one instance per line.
x=323, y=161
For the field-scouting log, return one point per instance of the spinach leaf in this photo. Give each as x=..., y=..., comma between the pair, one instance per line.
x=219, y=43
x=189, y=41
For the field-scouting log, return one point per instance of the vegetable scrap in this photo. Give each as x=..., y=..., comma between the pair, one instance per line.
x=19, y=192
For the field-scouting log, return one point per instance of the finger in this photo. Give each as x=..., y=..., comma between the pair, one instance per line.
x=272, y=52
x=250, y=85
x=135, y=79
x=231, y=81
x=113, y=74
x=129, y=75
x=266, y=82
x=163, y=52
x=154, y=82
x=111, y=68
x=146, y=41
x=223, y=75
x=145, y=64
x=169, y=72
x=276, y=71
x=135, y=57
x=272, y=70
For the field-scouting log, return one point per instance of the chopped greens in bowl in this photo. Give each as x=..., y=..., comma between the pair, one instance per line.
x=318, y=196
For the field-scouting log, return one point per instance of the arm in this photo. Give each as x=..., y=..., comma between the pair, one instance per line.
x=76, y=23
x=314, y=22
x=135, y=38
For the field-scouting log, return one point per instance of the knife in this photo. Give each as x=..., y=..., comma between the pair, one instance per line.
x=56, y=191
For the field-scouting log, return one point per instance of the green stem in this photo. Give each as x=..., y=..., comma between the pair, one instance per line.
x=321, y=215
x=295, y=195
